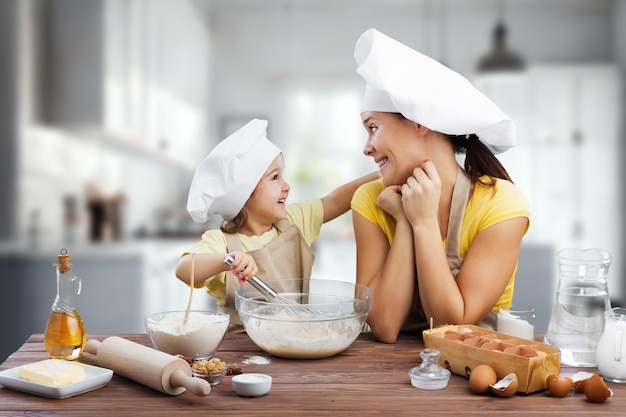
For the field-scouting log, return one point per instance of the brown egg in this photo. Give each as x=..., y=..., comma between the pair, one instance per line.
x=494, y=346
x=472, y=341
x=481, y=378
x=506, y=387
x=521, y=351
x=559, y=386
x=596, y=390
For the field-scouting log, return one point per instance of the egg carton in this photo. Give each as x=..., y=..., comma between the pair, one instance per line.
x=464, y=347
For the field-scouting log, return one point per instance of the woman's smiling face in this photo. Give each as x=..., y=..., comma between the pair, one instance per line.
x=393, y=142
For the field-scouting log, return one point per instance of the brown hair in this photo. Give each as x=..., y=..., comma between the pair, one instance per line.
x=234, y=225
x=479, y=160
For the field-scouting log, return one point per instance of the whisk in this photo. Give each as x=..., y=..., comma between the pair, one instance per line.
x=271, y=295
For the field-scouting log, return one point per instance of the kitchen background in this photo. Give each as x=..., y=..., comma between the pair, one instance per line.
x=107, y=107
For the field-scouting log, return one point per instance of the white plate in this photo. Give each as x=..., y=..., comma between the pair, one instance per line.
x=95, y=377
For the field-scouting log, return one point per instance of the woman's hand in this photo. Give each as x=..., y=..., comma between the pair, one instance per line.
x=390, y=200
x=421, y=193
x=243, y=267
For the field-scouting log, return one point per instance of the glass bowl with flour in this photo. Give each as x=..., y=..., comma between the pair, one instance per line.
x=321, y=321
x=197, y=339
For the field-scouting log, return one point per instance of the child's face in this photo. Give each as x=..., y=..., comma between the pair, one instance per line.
x=267, y=202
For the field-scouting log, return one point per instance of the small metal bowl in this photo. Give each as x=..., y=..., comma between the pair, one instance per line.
x=213, y=378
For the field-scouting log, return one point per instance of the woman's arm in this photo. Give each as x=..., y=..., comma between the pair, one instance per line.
x=487, y=266
x=388, y=272
x=338, y=201
x=486, y=270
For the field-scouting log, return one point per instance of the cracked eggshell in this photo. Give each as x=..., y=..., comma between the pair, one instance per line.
x=506, y=387
x=559, y=386
x=579, y=380
x=596, y=390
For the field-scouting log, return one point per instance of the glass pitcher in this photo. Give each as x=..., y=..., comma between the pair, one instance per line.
x=577, y=320
x=612, y=346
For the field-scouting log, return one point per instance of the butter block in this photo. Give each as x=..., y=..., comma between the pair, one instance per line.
x=53, y=372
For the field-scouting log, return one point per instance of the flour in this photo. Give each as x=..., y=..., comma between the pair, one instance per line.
x=304, y=339
x=199, y=337
x=257, y=360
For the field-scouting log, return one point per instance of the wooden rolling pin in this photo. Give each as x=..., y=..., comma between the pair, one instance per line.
x=155, y=369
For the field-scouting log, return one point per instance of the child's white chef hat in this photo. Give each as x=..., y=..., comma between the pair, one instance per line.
x=402, y=80
x=227, y=177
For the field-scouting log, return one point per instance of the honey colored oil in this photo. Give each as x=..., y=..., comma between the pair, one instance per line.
x=65, y=335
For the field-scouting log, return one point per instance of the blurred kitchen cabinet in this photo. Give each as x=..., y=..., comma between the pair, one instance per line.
x=125, y=67
x=157, y=75
x=567, y=155
x=112, y=97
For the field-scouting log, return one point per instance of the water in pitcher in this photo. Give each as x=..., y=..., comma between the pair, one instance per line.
x=577, y=324
x=577, y=321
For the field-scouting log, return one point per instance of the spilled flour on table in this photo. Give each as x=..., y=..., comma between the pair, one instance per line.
x=257, y=360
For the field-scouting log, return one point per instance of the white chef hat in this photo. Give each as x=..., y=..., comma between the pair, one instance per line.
x=227, y=177
x=402, y=80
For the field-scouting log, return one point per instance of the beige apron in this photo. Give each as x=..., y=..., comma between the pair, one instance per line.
x=417, y=319
x=287, y=256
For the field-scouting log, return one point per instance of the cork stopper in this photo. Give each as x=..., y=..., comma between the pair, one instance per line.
x=64, y=264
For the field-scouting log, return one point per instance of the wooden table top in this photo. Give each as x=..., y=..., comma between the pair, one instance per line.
x=369, y=378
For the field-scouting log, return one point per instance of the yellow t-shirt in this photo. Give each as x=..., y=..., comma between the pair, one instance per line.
x=308, y=216
x=487, y=206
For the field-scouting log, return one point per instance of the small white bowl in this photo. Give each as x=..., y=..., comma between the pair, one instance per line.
x=252, y=385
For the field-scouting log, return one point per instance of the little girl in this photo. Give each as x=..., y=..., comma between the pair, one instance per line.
x=242, y=181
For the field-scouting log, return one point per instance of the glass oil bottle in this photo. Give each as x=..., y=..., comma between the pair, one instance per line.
x=65, y=334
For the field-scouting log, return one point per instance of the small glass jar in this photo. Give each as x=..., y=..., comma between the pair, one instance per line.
x=213, y=378
x=429, y=374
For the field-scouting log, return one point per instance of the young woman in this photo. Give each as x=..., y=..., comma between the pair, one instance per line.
x=242, y=181
x=434, y=241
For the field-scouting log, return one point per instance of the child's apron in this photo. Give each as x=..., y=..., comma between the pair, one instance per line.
x=287, y=256
x=460, y=195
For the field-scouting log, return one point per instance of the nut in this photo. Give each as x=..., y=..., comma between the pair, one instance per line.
x=211, y=366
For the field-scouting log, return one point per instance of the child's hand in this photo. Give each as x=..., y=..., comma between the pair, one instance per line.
x=390, y=200
x=243, y=267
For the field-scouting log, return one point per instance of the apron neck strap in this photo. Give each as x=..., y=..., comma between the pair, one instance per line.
x=282, y=225
x=233, y=242
x=460, y=196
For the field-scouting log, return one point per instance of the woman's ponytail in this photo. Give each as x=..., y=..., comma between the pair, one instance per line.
x=479, y=160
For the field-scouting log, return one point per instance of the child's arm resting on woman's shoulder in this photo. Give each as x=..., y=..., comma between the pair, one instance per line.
x=338, y=201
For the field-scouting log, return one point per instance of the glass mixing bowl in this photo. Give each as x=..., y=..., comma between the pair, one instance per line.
x=325, y=321
x=198, y=339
